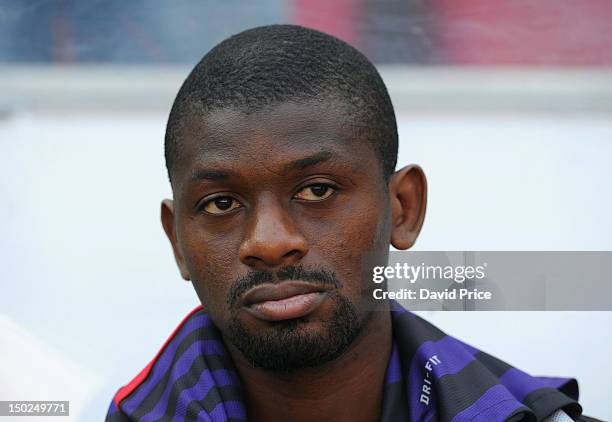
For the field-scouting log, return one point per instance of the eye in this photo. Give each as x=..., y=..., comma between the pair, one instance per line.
x=316, y=192
x=221, y=205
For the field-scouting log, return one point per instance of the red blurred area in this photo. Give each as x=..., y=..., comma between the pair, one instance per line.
x=340, y=18
x=470, y=32
x=525, y=32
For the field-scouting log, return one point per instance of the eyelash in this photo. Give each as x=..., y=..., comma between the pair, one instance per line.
x=334, y=188
x=325, y=184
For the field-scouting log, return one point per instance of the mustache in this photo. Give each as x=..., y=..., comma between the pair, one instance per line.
x=292, y=272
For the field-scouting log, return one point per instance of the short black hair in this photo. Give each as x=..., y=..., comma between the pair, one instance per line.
x=267, y=65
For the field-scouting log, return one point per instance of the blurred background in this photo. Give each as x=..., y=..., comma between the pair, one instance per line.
x=507, y=106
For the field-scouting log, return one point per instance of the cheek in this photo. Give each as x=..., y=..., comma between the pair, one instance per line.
x=353, y=240
x=361, y=228
x=211, y=267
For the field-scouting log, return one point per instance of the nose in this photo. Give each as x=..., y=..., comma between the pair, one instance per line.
x=272, y=238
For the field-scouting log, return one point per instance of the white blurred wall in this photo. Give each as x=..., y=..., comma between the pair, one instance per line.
x=88, y=273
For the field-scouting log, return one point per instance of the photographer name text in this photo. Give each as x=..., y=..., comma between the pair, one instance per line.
x=457, y=274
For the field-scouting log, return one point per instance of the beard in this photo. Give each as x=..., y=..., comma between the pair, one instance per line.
x=288, y=346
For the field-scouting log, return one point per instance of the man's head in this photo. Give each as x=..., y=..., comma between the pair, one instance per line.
x=281, y=146
x=270, y=65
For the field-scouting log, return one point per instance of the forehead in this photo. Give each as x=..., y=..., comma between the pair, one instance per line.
x=272, y=137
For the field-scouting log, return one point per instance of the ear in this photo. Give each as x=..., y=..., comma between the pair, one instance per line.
x=167, y=218
x=408, y=192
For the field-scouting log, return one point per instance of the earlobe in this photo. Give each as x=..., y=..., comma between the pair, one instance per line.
x=167, y=219
x=408, y=195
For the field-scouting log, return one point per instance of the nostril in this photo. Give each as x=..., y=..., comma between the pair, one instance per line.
x=253, y=261
x=294, y=254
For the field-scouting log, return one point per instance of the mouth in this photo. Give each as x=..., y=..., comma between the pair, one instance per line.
x=283, y=301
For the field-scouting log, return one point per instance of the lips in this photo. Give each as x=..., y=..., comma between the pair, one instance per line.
x=282, y=301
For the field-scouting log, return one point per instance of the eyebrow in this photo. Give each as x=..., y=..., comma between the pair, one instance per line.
x=311, y=160
x=299, y=164
x=214, y=175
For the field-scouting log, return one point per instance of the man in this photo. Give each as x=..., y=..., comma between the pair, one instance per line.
x=281, y=150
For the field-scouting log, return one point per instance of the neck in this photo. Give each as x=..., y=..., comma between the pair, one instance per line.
x=329, y=392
